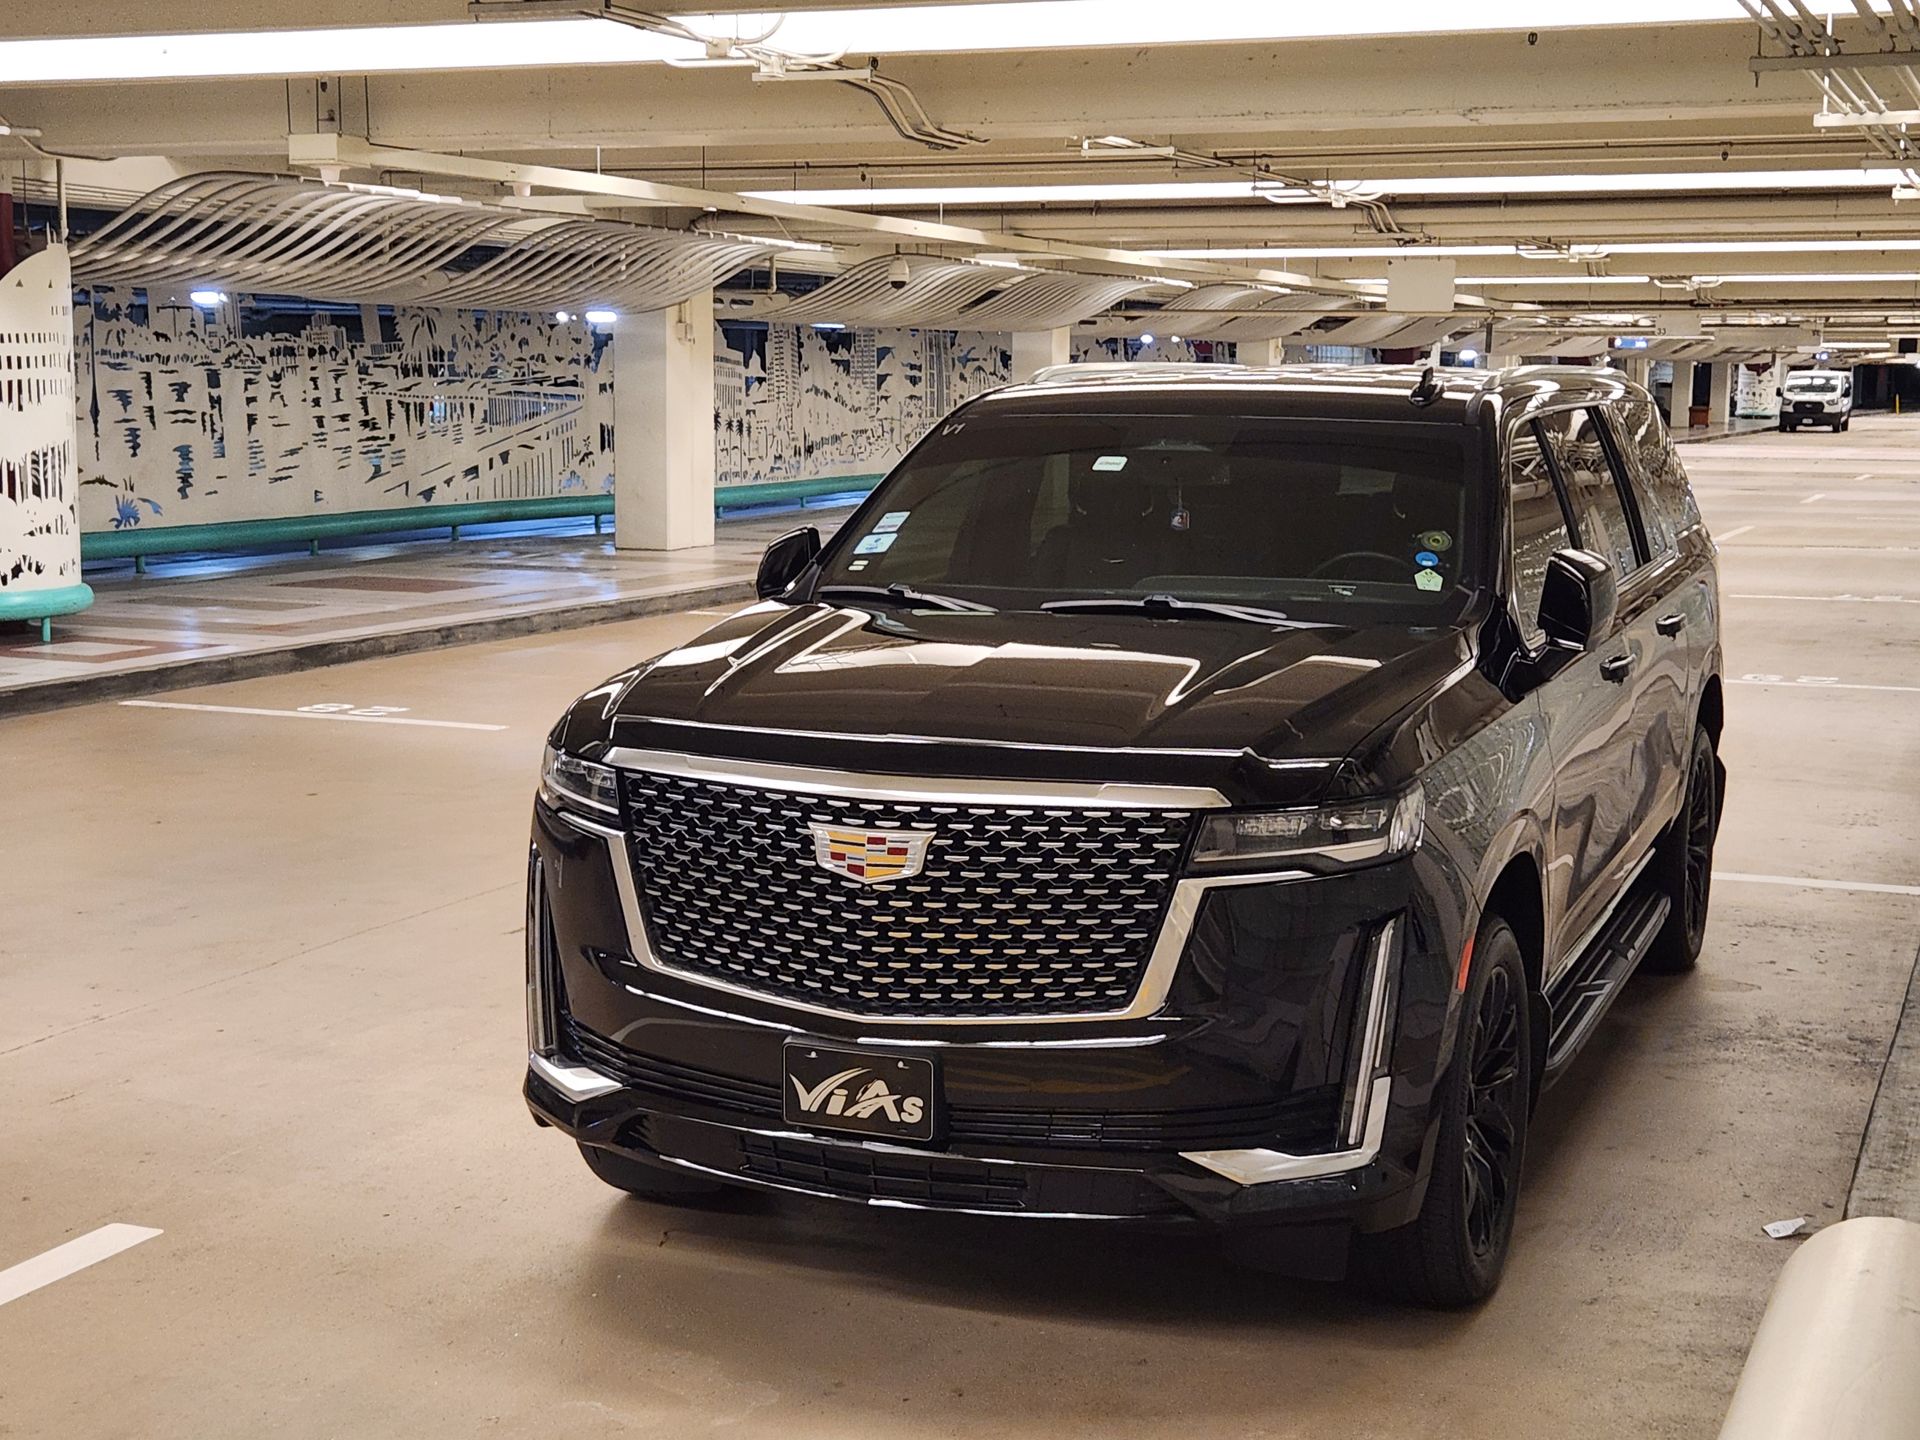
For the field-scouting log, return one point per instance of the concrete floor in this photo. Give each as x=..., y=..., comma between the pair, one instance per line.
x=260, y=987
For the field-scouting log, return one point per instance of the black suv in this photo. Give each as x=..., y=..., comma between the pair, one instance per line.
x=1227, y=794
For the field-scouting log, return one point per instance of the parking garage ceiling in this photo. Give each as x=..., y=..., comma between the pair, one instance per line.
x=1733, y=163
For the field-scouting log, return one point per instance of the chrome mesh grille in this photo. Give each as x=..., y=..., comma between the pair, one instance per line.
x=1020, y=910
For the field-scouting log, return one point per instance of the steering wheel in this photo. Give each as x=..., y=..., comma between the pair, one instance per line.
x=1399, y=565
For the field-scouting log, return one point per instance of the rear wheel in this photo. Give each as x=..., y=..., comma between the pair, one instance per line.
x=1683, y=864
x=649, y=1182
x=1453, y=1252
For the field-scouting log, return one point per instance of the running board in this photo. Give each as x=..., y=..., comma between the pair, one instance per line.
x=1589, y=985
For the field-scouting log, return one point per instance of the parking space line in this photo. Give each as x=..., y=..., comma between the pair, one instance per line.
x=1817, y=495
x=64, y=1260
x=309, y=715
x=1738, y=530
x=1824, y=684
x=1831, y=599
x=1871, y=887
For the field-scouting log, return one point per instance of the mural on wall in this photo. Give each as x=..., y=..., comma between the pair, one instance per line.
x=39, y=540
x=183, y=420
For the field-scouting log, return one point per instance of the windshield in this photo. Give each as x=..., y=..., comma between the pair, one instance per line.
x=1341, y=522
x=1813, y=384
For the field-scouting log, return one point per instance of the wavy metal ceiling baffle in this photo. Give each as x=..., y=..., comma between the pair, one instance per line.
x=1049, y=301
x=248, y=232
x=933, y=292
x=1280, y=318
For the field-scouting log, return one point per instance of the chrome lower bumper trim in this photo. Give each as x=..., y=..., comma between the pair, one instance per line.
x=576, y=1082
x=1261, y=1167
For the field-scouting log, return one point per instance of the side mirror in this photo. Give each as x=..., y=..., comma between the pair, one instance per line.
x=786, y=557
x=1778, y=392
x=1579, y=598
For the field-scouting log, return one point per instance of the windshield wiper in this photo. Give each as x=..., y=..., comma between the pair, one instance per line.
x=902, y=595
x=1172, y=607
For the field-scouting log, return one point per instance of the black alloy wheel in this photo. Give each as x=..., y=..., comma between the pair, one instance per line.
x=1683, y=864
x=1452, y=1253
x=1496, y=1095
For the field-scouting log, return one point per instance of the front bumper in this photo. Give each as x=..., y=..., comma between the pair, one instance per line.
x=1277, y=1083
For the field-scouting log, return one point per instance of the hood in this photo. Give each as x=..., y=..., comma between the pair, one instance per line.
x=1112, y=697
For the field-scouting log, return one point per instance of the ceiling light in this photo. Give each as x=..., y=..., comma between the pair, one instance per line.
x=514, y=43
x=563, y=316
x=1600, y=247
x=1146, y=337
x=600, y=317
x=207, y=299
x=1468, y=355
x=1905, y=277
x=1652, y=182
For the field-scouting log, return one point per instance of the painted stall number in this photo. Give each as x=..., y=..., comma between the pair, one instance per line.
x=1791, y=679
x=348, y=707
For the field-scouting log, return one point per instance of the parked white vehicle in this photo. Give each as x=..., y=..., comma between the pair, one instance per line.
x=1817, y=397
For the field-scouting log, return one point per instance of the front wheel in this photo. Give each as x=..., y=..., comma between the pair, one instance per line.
x=1683, y=864
x=1453, y=1252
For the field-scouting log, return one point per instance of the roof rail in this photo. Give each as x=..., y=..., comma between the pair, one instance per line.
x=1125, y=369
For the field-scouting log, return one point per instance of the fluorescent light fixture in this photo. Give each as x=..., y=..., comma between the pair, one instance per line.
x=1554, y=280
x=910, y=197
x=873, y=30
x=1593, y=249
x=1469, y=355
x=207, y=299
x=828, y=325
x=1901, y=277
x=600, y=317
x=778, y=242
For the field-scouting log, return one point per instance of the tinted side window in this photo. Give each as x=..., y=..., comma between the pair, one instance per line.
x=1599, y=512
x=1539, y=525
x=1645, y=436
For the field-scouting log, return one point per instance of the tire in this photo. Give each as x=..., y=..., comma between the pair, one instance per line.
x=649, y=1182
x=1453, y=1252
x=1683, y=864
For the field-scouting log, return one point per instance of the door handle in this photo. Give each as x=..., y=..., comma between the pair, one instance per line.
x=1671, y=624
x=1616, y=668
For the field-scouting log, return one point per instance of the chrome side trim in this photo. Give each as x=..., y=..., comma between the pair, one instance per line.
x=576, y=1082
x=1261, y=1167
x=916, y=789
x=1366, y=1125
x=1183, y=909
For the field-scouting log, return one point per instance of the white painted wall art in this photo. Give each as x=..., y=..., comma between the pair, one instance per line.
x=39, y=536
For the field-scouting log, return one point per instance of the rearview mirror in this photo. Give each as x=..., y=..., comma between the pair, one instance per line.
x=1578, y=599
x=785, y=559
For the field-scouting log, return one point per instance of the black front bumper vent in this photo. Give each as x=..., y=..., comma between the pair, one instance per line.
x=858, y=1174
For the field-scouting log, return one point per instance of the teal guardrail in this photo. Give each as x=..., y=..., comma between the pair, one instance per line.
x=137, y=541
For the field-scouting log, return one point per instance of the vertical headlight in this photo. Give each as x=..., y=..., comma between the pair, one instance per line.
x=1346, y=833
x=567, y=781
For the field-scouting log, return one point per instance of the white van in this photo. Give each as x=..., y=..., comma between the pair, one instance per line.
x=1817, y=397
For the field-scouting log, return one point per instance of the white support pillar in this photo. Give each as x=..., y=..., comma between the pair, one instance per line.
x=1637, y=368
x=663, y=427
x=1263, y=353
x=1720, y=394
x=1034, y=350
x=1680, y=403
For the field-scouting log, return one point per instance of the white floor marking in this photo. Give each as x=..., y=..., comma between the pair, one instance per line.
x=1817, y=495
x=1738, y=530
x=1858, y=478
x=1833, y=599
x=309, y=715
x=64, y=1260
x=1818, y=682
x=1802, y=882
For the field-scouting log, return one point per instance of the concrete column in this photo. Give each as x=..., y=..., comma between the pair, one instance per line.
x=663, y=427
x=1261, y=352
x=1637, y=368
x=1680, y=403
x=1034, y=350
x=1720, y=395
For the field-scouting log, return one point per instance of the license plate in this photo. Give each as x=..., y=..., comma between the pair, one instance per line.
x=859, y=1091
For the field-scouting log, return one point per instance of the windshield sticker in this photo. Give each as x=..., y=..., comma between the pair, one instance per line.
x=1182, y=519
x=874, y=544
x=891, y=521
x=1427, y=558
x=1436, y=540
x=1110, y=462
x=1428, y=579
